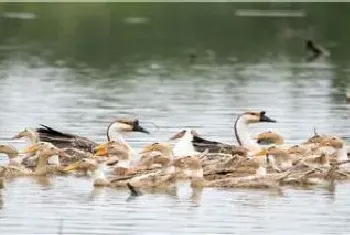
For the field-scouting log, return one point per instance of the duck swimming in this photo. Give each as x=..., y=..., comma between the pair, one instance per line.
x=269, y=137
x=152, y=180
x=46, y=150
x=257, y=181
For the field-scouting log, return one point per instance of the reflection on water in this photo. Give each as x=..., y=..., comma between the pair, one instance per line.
x=77, y=72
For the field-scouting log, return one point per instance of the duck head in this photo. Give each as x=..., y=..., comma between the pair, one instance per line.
x=256, y=117
x=9, y=150
x=269, y=137
x=125, y=125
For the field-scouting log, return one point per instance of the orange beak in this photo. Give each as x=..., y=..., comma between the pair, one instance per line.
x=31, y=149
x=101, y=150
x=263, y=152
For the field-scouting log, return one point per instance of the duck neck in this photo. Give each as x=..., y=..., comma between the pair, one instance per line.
x=197, y=179
x=53, y=160
x=184, y=146
x=14, y=158
x=15, y=161
x=98, y=173
x=41, y=166
x=342, y=153
x=242, y=135
x=113, y=134
x=33, y=138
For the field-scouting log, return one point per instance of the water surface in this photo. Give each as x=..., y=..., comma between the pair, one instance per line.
x=78, y=70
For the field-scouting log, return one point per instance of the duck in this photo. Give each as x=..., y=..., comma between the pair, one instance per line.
x=12, y=153
x=15, y=167
x=159, y=155
x=279, y=159
x=75, y=143
x=46, y=150
x=118, y=150
x=32, y=137
x=155, y=154
x=260, y=180
x=268, y=138
x=184, y=145
x=152, y=180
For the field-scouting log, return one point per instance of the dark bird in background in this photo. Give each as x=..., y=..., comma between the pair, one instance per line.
x=193, y=56
x=314, y=50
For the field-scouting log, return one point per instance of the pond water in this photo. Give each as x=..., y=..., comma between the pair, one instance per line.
x=81, y=69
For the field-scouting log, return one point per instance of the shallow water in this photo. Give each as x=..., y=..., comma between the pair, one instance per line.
x=164, y=89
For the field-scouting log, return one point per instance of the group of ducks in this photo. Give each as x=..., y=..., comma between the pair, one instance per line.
x=263, y=162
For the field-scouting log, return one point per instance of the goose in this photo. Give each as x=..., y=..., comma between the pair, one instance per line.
x=191, y=143
x=82, y=144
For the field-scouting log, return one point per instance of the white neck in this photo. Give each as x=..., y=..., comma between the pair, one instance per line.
x=53, y=160
x=342, y=153
x=125, y=163
x=261, y=171
x=99, y=172
x=184, y=146
x=15, y=161
x=243, y=137
x=114, y=134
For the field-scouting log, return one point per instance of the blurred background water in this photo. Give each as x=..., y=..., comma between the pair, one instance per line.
x=78, y=66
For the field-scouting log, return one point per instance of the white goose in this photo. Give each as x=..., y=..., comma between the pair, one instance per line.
x=190, y=143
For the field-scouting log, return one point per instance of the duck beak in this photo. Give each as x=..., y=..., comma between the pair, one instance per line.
x=30, y=149
x=101, y=150
x=141, y=129
x=263, y=152
x=146, y=150
x=264, y=118
x=16, y=136
x=72, y=166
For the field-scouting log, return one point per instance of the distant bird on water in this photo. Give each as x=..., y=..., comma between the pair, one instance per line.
x=315, y=50
x=193, y=56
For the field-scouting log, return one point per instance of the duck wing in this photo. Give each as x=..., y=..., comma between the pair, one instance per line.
x=65, y=140
x=200, y=145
